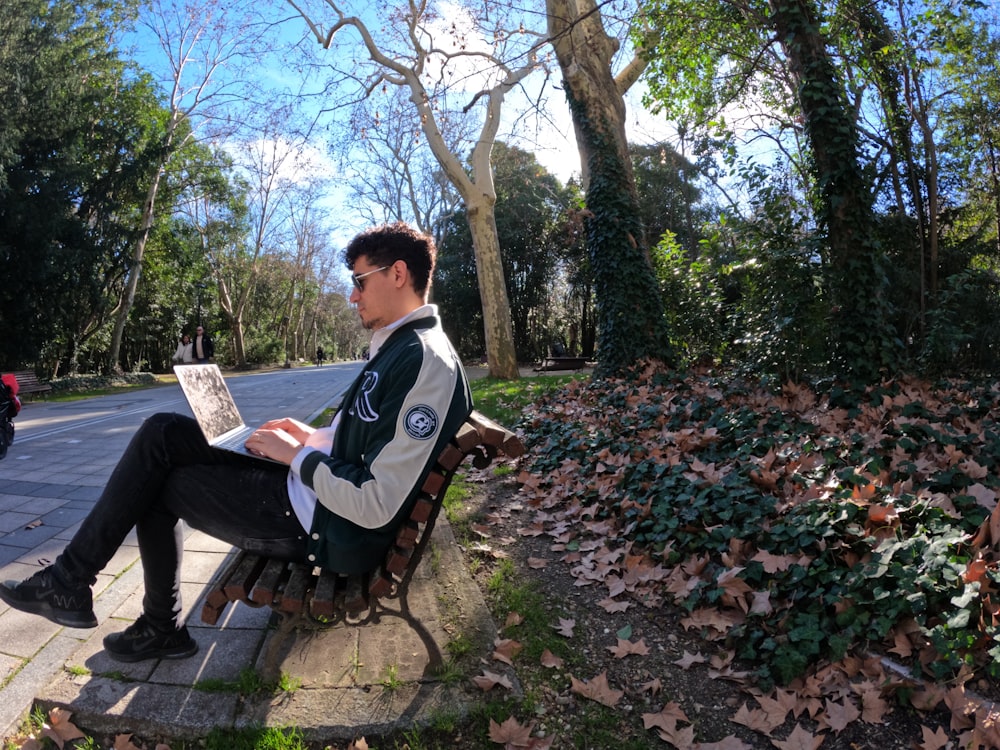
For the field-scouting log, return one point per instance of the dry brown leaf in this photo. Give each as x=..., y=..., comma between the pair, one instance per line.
x=488, y=680
x=550, y=660
x=839, y=716
x=755, y=719
x=612, y=606
x=987, y=729
x=505, y=649
x=510, y=733
x=565, y=627
x=689, y=659
x=597, y=689
x=679, y=738
x=652, y=687
x=934, y=739
x=59, y=727
x=514, y=618
x=626, y=648
x=873, y=705
x=732, y=742
x=124, y=742
x=666, y=718
x=537, y=563
x=799, y=739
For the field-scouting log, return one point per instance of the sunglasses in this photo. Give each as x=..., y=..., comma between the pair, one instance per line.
x=356, y=278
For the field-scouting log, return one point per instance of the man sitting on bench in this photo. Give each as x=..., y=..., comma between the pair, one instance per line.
x=337, y=496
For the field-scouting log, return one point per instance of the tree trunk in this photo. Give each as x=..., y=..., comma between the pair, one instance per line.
x=128, y=299
x=630, y=321
x=862, y=343
x=492, y=291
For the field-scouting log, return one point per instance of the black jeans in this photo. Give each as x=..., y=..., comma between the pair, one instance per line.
x=170, y=474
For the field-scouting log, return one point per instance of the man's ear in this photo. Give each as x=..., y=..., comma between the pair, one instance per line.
x=401, y=273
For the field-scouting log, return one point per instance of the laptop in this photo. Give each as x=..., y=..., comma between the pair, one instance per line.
x=214, y=409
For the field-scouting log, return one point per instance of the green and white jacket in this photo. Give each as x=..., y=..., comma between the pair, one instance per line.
x=409, y=400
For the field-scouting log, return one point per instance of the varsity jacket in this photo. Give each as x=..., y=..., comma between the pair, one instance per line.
x=397, y=416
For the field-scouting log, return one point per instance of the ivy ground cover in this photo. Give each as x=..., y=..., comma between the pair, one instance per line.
x=797, y=528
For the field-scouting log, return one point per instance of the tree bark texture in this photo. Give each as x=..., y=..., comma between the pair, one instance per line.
x=862, y=342
x=630, y=320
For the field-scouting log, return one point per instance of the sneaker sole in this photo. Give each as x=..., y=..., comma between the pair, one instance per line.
x=46, y=610
x=163, y=653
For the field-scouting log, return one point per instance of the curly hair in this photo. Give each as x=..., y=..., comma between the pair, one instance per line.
x=384, y=245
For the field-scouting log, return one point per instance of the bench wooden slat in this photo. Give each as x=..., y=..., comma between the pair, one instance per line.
x=27, y=382
x=381, y=587
x=422, y=510
x=433, y=484
x=269, y=581
x=293, y=597
x=356, y=593
x=295, y=589
x=240, y=583
x=323, y=604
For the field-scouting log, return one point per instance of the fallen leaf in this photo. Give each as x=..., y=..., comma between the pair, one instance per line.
x=756, y=719
x=666, y=718
x=488, y=680
x=653, y=687
x=689, y=659
x=732, y=742
x=597, y=689
x=934, y=740
x=59, y=727
x=565, y=627
x=124, y=742
x=626, y=648
x=612, y=605
x=506, y=649
x=839, y=716
x=550, y=660
x=799, y=739
x=510, y=733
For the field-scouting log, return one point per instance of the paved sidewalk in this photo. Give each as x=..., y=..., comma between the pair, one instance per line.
x=339, y=675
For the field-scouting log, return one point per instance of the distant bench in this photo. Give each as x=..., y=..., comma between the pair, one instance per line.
x=301, y=594
x=27, y=382
x=562, y=363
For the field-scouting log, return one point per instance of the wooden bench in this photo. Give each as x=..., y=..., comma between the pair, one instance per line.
x=562, y=363
x=27, y=382
x=301, y=594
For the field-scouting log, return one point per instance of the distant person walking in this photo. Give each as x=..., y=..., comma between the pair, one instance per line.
x=320, y=356
x=184, y=354
x=204, y=349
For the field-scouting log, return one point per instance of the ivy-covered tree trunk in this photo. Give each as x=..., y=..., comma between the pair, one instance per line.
x=862, y=343
x=630, y=320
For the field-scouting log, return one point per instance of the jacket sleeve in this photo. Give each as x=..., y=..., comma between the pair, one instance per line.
x=400, y=427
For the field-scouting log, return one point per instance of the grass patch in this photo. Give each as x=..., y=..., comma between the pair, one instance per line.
x=535, y=632
x=504, y=400
x=261, y=738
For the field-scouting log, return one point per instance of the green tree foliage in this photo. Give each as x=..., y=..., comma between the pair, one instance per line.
x=668, y=197
x=861, y=340
x=530, y=204
x=74, y=156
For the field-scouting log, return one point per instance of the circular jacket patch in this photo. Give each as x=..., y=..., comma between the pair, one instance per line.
x=421, y=422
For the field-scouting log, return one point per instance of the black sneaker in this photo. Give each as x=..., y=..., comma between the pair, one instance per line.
x=43, y=594
x=142, y=640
